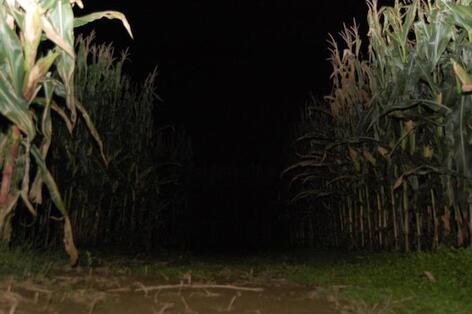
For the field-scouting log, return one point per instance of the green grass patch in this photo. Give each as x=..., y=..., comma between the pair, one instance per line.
x=24, y=262
x=409, y=283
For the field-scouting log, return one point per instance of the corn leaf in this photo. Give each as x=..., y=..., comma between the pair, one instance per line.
x=11, y=54
x=92, y=129
x=83, y=20
x=464, y=77
x=15, y=108
x=31, y=34
x=49, y=180
x=62, y=18
x=37, y=73
x=57, y=200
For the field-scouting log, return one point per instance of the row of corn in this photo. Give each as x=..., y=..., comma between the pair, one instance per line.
x=384, y=162
x=124, y=192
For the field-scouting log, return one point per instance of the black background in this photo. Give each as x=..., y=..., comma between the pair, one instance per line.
x=234, y=74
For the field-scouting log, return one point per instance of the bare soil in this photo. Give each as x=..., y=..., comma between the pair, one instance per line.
x=100, y=291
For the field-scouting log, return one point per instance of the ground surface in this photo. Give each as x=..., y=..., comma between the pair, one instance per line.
x=294, y=282
x=100, y=290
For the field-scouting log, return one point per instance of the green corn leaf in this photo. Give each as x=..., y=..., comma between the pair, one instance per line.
x=11, y=53
x=38, y=72
x=49, y=180
x=53, y=35
x=59, y=203
x=409, y=20
x=61, y=17
x=83, y=20
x=47, y=4
x=462, y=15
x=433, y=38
x=31, y=34
x=15, y=108
x=35, y=193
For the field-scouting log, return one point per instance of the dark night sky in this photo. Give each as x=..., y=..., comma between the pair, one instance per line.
x=233, y=74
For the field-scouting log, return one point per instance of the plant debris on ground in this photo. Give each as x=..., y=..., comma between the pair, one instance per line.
x=290, y=282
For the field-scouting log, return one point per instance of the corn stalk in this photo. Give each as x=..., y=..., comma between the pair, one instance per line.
x=37, y=63
x=399, y=141
x=128, y=201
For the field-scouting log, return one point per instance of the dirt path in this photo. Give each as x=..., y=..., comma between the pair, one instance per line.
x=101, y=293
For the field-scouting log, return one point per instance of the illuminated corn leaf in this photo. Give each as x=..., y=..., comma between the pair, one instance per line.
x=462, y=16
x=402, y=94
x=47, y=4
x=31, y=34
x=93, y=130
x=14, y=107
x=11, y=53
x=27, y=86
x=83, y=20
x=464, y=78
x=37, y=74
x=61, y=18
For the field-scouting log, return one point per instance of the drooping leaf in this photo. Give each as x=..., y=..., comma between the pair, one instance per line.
x=464, y=78
x=48, y=180
x=398, y=182
x=53, y=34
x=92, y=129
x=303, y=164
x=312, y=194
x=59, y=203
x=83, y=20
x=69, y=244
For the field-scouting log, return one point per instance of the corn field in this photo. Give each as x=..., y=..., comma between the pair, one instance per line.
x=124, y=193
x=384, y=162
x=37, y=63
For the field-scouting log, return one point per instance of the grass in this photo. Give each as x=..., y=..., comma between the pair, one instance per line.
x=23, y=262
x=395, y=279
x=398, y=280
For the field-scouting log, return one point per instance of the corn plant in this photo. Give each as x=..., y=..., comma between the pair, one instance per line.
x=37, y=63
x=126, y=201
x=394, y=170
